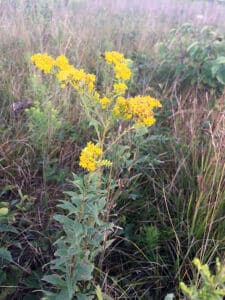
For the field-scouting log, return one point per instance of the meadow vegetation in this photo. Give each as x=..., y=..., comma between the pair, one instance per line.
x=112, y=149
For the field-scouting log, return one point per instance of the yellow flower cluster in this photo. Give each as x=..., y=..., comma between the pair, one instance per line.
x=44, y=62
x=104, y=102
x=120, y=88
x=64, y=72
x=114, y=57
x=61, y=62
x=121, y=109
x=140, y=108
x=76, y=77
x=90, y=157
x=120, y=64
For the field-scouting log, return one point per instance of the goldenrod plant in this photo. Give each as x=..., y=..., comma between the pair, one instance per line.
x=85, y=226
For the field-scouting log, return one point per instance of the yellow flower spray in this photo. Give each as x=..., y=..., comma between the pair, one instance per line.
x=105, y=109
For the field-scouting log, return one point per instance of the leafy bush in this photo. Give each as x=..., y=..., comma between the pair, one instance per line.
x=193, y=55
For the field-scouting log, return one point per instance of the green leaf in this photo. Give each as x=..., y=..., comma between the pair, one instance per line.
x=4, y=204
x=220, y=60
x=99, y=293
x=7, y=228
x=4, y=211
x=83, y=297
x=54, y=280
x=220, y=74
x=193, y=47
x=63, y=295
x=214, y=69
x=84, y=271
x=2, y=277
x=94, y=123
x=63, y=220
x=5, y=254
x=68, y=206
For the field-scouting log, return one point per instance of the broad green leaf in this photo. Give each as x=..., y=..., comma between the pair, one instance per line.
x=54, y=280
x=220, y=60
x=193, y=46
x=4, y=211
x=7, y=228
x=4, y=204
x=63, y=220
x=214, y=69
x=84, y=271
x=68, y=206
x=5, y=254
x=220, y=74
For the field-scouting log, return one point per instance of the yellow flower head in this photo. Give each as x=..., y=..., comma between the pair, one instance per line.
x=120, y=88
x=121, y=109
x=90, y=157
x=81, y=80
x=120, y=64
x=122, y=72
x=140, y=108
x=114, y=57
x=64, y=72
x=104, y=102
x=61, y=62
x=44, y=62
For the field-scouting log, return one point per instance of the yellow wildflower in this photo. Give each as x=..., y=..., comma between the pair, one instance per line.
x=122, y=72
x=120, y=88
x=139, y=108
x=148, y=121
x=104, y=102
x=81, y=80
x=63, y=75
x=64, y=72
x=61, y=62
x=90, y=157
x=43, y=61
x=121, y=109
x=114, y=57
x=120, y=64
x=90, y=81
